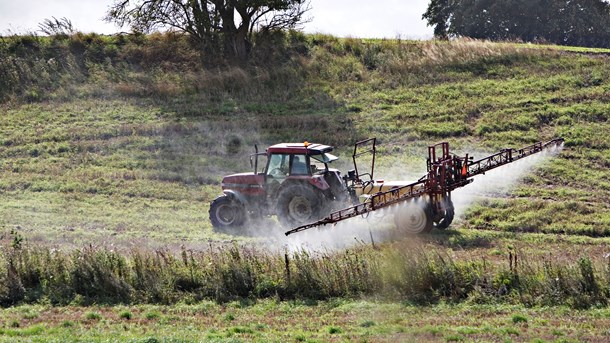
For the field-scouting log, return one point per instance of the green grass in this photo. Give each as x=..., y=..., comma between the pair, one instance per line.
x=578, y=49
x=111, y=157
x=326, y=321
x=93, y=316
x=144, y=169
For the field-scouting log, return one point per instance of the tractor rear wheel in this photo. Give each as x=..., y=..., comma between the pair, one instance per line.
x=414, y=217
x=226, y=212
x=298, y=204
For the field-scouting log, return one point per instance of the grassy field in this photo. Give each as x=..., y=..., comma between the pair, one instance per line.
x=122, y=151
x=144, y=168
x=331, y=321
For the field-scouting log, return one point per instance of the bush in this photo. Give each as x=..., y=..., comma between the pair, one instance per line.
x=93, y=316
x=517, y=318
x=125, y=315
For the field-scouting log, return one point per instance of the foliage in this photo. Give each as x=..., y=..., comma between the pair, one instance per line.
x=37, y=68
x=57, y=27
x=579, y=23
x=229, y=273
x=211, y=22
x=438, y=14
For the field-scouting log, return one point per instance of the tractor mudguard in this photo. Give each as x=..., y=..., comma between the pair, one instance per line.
x=319, y=182
x=236, y=196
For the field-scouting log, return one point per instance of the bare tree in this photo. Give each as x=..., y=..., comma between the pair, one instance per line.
x=224, y=24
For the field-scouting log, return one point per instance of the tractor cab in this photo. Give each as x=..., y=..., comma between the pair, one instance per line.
x=306, y=163
x=298, y=159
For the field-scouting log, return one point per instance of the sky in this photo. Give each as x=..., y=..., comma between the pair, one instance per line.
x=343, y=18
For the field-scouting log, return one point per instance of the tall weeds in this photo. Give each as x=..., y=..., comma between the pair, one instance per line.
x=225, y=273
x=285, y=66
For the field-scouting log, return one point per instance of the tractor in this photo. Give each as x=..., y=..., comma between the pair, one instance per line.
x=296, y=184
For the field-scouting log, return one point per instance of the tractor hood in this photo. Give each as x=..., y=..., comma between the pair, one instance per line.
x=244, y=182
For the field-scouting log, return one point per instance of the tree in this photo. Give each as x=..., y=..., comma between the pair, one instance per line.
x=225, y=25
x=568, y=22
x=438, y=15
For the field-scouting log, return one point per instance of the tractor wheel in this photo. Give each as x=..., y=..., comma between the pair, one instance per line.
x=298, y=205
x=414, y=217
x=226, y=212
x=446, y=217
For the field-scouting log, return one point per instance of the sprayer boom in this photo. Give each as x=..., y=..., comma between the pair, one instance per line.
x=446, y=172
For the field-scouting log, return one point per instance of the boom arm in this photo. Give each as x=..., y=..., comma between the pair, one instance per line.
x=506, y=156
x=446, y=172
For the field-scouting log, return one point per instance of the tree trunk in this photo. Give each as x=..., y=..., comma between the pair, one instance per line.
x=242, y=49
x=237, y=46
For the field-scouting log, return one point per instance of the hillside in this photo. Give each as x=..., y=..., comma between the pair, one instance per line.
x=131, y=142
x=113, y=147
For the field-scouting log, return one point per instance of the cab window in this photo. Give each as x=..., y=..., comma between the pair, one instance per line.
x=299, y=165
x=278, y=166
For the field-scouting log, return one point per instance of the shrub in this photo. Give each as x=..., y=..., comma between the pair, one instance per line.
x=152, y=315
x=67, y=324
x=125, y=315
x=367, y=324
x=517, y=318
x=93, y=316
x=334, y=330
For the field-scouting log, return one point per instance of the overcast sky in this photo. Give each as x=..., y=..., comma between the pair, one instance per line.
x=353, y=18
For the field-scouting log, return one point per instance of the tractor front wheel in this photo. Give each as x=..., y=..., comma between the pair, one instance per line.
x=226, y=212
x=298, y=205
x=414, y=217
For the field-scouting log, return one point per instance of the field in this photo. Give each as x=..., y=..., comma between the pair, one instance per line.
x=334, y=321
x=111, y=152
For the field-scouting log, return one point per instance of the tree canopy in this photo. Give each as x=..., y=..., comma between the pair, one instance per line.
x=566, y=22
x=218, y=25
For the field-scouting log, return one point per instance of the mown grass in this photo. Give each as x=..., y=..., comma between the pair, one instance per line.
x=334, y=320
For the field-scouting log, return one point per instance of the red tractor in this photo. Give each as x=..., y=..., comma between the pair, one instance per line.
x=296, y=184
